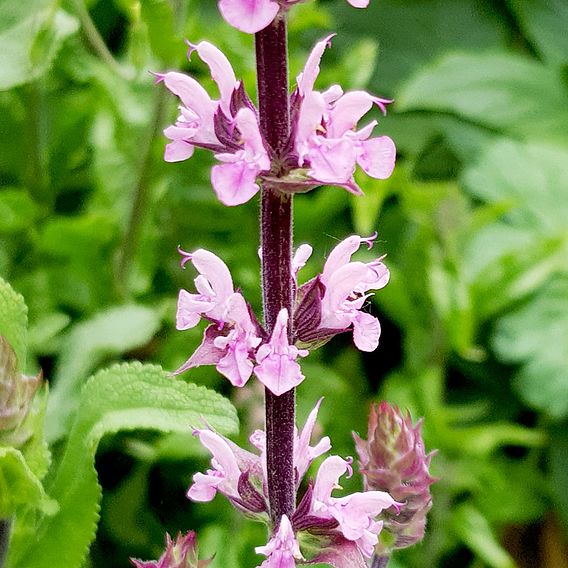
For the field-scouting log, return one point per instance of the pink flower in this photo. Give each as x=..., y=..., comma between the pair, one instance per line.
x=332, y=302
x=235, y=473
x=282, y=548
x=277, y=368
x=326, y=139
x=347, y=284
x=228, y=127
x=355, y=513
x=240, y=475
x=214, y=286
x=251, y=16
x=230, y=342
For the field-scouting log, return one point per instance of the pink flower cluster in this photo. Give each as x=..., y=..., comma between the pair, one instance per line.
x=325, y=145
x=235, y=342
x=349, y=522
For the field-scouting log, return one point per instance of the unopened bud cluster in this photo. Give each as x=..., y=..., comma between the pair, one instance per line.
x=394, y=459
x=16, y=394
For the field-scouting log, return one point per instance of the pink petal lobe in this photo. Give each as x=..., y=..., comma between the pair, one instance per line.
x=191, y=93
x=332, y=161
x=236, y=365
x=247, y=124
x=308, y=76
x=348, y=110
x=249, y=16
x=178, y=150
x=340, y=255
x=186, y=317
x=366, y=332
x=204, y=488
x=234, y=183
x=359, y=3
x=215, y=271
x=377, y=157
x=331, y=469
x=221, y=71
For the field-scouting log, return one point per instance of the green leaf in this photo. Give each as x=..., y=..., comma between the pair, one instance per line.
x=531, y=178
x=497, y=90
x=520, y=252
x=544, y=22
x=474, y=530
x=125, y=397
x=14, y=321
x=535, y=336
x=108, y=334
x=410, y=34
x=159, y=19
x=19, y=486
x=17, y=210
x=30, y=38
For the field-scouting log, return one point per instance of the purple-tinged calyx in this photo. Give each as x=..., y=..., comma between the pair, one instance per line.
x=181, y=553
x=394, y=459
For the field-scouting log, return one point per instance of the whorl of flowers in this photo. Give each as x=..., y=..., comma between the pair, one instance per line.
x=236, y=343
x=325, y=143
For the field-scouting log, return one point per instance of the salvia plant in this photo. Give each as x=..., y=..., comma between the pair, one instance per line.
x=290, y=142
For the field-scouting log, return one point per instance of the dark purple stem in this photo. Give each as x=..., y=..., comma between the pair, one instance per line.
x=380, y=561
x=276, y=243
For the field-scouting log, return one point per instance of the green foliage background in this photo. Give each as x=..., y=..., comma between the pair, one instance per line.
x=475, y=319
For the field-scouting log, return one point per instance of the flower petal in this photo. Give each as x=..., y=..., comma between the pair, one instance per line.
x=249, y=16
x=340, y=255
x=377, y=157
x=347, y=111
x=331, y=161
x=277, y=369
x=331, y=469
x=216, y=272
x=306, y=79
x=178, y=150
x=359, y=3
x=366, y=332
x=247, y=124
x=236, y=365
x=221, y=71
x=234, y=183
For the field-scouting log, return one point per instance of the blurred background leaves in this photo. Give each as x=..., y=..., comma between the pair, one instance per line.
x=475, y=319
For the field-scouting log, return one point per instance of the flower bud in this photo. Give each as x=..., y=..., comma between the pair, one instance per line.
x=16, y=394
x=393, y=459
x=179, y=554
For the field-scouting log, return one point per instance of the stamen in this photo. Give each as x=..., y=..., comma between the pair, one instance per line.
x=369, y=241
x=186, y=256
